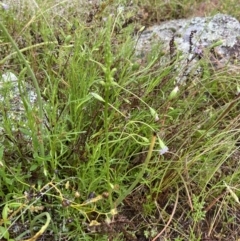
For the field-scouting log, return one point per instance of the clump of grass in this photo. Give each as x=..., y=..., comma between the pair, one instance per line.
x=102, y=172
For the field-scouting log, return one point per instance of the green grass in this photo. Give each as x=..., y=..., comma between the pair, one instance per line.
x=87, y=166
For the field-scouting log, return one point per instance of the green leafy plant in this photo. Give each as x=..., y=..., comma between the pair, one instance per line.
x=112, y=148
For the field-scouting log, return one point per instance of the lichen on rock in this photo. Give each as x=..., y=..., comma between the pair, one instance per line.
x=218, y=37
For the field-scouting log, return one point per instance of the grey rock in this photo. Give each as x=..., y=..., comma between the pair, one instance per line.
x=11, y=102
x=216, y=39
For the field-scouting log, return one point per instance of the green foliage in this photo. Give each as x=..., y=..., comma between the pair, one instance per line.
x=111, y=139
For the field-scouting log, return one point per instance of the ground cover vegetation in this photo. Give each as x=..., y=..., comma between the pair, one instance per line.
x=112, y=148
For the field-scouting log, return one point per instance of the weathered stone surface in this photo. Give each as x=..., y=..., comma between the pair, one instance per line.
x=10, y=98
x=193, y=39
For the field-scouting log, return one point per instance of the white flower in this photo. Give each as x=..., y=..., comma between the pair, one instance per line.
x=120, y=9
x=5, y=6
x=163, y=150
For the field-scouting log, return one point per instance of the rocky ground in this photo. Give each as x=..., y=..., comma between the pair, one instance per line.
x=214, y=39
